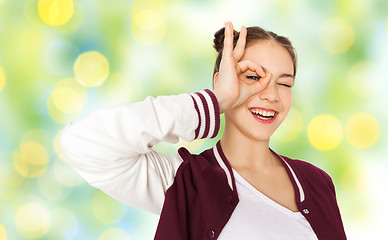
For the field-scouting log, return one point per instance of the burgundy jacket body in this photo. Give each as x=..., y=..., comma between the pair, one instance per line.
x=200, y=202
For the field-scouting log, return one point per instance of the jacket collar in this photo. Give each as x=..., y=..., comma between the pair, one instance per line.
x=224, y=164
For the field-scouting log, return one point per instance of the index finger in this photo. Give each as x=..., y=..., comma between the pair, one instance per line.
x=228, y=40
x=248, y=64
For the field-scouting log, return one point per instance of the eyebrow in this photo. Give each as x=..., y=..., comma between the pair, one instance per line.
x=281, y=76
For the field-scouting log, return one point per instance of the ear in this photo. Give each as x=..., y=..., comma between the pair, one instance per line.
x=215, y=78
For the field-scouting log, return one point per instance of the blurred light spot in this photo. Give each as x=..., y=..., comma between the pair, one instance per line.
x=91, y=69
x=106, y=209
x=291, y=127
x=33, y=153
x=324, y=132
x=59, y=105
x=32, y=15
x=362, y=130
x=114, y=233
x=3, y=233
x=336, y=35
x=2, y=79
x=64, y=225
x=365, y=78
x=59, y=56
x=65, y=175
x=58, y=147
x=67, y=100
x=38, y=135
x=32, y=220
x=55, y=12
x=30, y=160
x=148, y=25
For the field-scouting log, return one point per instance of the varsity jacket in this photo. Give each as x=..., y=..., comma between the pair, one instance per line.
x=195, y=194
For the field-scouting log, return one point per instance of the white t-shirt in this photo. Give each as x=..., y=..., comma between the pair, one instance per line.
x=258, y=217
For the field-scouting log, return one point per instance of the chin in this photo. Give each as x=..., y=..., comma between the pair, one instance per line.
x=261, y=135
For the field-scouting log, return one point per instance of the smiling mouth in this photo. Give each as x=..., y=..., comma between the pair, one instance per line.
x=263, y=114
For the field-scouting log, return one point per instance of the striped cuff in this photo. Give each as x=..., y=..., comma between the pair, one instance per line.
x=208, y=111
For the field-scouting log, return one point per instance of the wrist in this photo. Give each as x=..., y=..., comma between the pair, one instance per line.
x=222, y=101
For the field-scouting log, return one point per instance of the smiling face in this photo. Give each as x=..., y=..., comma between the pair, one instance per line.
x=277, y=97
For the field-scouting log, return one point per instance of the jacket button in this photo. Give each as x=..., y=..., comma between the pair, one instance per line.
x=211, y=234
x=306, y=211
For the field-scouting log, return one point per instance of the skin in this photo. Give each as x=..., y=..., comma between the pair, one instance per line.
x=245, y=141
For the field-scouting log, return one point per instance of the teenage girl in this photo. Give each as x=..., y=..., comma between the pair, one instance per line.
x=238, y=189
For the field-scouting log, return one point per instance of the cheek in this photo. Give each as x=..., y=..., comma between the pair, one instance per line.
x=286, y=95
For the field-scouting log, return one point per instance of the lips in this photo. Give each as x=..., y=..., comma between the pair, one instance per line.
x=264, y=115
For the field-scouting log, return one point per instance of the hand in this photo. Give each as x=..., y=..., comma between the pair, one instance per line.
x=232, y=88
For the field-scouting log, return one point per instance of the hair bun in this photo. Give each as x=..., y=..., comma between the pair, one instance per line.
x=219, y=39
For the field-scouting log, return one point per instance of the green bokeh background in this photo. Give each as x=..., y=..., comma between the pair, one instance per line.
x=169, y=51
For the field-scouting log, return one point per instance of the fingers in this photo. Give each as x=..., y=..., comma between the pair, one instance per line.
x=240, y=46
x=246, y=65
x=260, y=85
x=228, y=40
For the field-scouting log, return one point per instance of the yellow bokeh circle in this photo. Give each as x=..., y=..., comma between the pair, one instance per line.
x=114, y=233
x=365, y=78
x=2, y=79
x=325, y=132
x=3, y=233
x=66, y=100
x=362, y=130
x=32, y=220
x=31, y=159
x=291, y=128
x=91, y=69
x=55, y=12
x=336, y=35
x=148, y=24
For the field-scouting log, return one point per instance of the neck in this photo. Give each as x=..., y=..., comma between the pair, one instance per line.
x=243, y=151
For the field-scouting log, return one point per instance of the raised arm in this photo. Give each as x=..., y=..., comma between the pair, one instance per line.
x=111, y=148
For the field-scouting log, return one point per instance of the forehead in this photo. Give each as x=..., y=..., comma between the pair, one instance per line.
x=271, y=55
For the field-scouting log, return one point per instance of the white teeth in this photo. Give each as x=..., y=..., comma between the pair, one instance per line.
x=263, y=112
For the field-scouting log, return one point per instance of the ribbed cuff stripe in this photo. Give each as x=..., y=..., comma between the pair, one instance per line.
x=216, y=113
x=201, y=115
x=208, y=112
x=199, y=118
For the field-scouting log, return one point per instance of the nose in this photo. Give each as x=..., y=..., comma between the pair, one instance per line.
x=270, y=93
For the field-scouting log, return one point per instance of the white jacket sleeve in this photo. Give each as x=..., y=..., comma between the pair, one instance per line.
x=111, y=148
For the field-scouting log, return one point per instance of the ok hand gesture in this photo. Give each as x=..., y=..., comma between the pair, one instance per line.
x=229, y=89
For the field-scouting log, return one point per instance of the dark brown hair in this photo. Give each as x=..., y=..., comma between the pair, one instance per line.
x=253, y=34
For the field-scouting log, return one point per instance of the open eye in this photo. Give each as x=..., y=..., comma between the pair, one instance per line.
x=253, y=77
